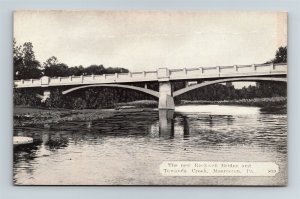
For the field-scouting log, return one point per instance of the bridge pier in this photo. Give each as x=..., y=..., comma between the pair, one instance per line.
x=166, y=100
x=166, y=123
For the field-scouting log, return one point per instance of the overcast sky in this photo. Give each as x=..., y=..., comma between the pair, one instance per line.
x=140, y=40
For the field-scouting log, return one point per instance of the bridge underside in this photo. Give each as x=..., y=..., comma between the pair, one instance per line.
x=166, y=95
x=239, y=79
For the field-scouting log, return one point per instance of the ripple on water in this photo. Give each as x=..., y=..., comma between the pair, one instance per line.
x=130, y=147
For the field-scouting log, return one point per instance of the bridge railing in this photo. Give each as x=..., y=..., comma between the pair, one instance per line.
x=162, y=74
x=228, y=71
x=27, y=83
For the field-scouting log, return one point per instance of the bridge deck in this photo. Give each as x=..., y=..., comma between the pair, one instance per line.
x=162, y=74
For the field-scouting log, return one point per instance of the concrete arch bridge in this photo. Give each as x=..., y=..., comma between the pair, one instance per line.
x=165, y=78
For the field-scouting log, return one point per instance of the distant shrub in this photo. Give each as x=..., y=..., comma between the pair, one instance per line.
x=262, y=102
x=26, y=97
x=79, y=103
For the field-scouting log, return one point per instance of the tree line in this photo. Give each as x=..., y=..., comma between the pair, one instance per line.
x=27, y=67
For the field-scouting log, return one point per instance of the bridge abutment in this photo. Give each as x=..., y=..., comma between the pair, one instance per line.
x=46, y=95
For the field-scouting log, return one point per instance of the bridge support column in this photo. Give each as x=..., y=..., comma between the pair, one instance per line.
x=166, y=100
x=166, y=123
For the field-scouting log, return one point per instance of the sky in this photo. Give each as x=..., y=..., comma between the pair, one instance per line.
x=147, y=40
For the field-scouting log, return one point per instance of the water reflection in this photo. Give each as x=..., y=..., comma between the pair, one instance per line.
x=186, y=127
x=55, y=141
x=166, y=123
x=135, y=142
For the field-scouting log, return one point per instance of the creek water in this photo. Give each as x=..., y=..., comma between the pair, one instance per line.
x=128, y=148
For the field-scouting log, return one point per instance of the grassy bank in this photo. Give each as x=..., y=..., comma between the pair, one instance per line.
x=29, y=116
x=138, y=104
x=260, y=102
x=32, y=116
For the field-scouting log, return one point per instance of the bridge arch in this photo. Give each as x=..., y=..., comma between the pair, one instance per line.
x=193, y=87
x=144, y=90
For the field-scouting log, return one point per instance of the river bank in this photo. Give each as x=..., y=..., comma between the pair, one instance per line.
x=33, y=116
x=274, y=104
x=260, y=102
x=30, y=116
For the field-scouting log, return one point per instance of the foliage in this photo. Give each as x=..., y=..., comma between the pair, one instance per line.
x=25, y=64
x=26, y=97
x=222, y=92
x=262, y=102
x=79, y=103
x=281, y=55
x=139, y=104
x=94, y=69
x=27, y=67
x=271, y=89
x=56, y=100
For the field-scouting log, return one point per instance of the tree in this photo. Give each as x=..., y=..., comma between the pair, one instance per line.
x=55, y=100
x=111, y=70
x=94, y=69
x=25, y=64
x=79, y=103
x=281, y=55
x=76, y=71
x=273, y=89
x=17, y=60
x=50, y=62
x=53, y=68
